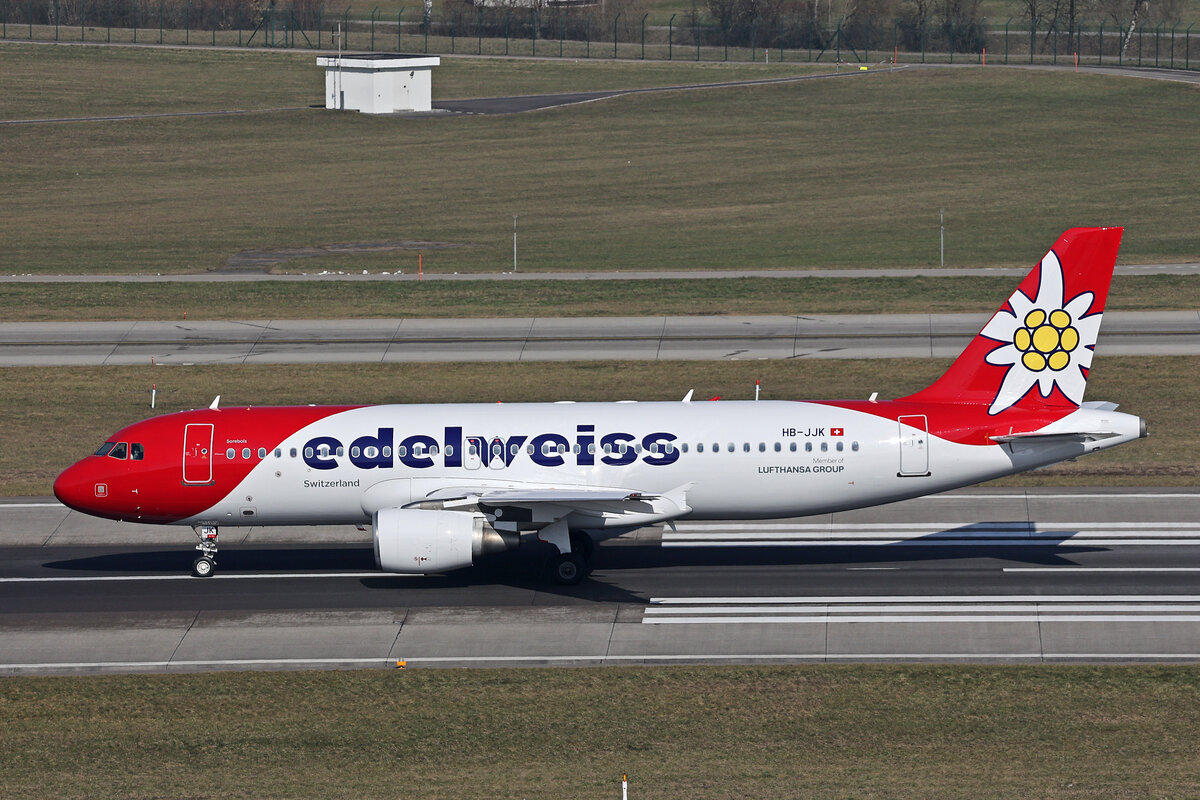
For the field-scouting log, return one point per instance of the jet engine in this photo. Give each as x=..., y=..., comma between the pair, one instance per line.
x=411, y=540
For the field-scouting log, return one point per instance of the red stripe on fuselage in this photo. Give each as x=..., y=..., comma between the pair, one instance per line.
x=153, y=489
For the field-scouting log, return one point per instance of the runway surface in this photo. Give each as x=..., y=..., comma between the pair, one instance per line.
x=548, y=339
x=244, y=275
x=981, y=575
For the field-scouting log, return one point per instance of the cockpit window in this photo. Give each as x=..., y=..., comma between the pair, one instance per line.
x=104, y=448
x=136, y=451
x=120, y=450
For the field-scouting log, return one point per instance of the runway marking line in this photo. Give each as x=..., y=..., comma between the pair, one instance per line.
x=226, y=577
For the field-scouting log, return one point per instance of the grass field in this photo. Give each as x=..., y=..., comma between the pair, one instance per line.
x=342, y=300
x=35, y=401
x=827, y=173
x=681, y=732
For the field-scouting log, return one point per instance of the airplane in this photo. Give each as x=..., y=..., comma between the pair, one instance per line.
x=444, y=485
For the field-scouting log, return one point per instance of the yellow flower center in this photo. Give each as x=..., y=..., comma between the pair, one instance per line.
x=1046, y=340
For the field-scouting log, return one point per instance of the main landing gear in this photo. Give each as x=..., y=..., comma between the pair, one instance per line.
x=573, y=566
x=206, y=564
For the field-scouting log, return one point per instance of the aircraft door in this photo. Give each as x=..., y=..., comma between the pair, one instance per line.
x=197, y=454
x=473, y=454
x=914, y=446
x=495, y=458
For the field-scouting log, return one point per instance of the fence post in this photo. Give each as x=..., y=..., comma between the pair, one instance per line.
x=187, y=23
x=725, y=33
x=644, y=35
x=506, y=21
x=346, y=28
x=1156, y=30
x=1100, y=46
x=560, y=35
x=161, y=5
x=617, y=17
x=135, y=20
x=427, y=29
x=214, y=23
x=399, y=29
x=923, y=23
x=867, y=45
x=951, y=41
x=895, y=41
x=1032, y=35
x=453, y=25
x=588, y=35
x=670, y=37
x=697, y=38
x=1187, y=45
x=373, y=12
x=108, y=21
x=31, y=20
x=320, y=16
x=534, y=21
x=982, y=45
x=1173, y=27
x=82, y=15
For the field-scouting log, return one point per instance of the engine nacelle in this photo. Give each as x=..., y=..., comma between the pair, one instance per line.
x=411, y=540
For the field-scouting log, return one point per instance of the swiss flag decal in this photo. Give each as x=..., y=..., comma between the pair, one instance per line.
x=837, y=431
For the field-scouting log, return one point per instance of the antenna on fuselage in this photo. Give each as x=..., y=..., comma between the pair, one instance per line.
x=216, y=402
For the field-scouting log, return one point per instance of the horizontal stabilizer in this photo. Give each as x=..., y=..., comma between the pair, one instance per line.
x=1055, y=438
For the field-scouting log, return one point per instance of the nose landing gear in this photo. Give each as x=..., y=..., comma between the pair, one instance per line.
x=206, y=564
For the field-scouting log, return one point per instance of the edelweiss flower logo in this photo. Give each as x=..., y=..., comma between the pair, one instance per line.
x=1046, y=341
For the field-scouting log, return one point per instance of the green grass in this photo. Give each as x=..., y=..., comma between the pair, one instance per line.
x=828, y=173
x=342, y=300
x=85, y=405
x=679, y=732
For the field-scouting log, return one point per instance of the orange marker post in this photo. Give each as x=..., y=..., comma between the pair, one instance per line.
x=419, y=269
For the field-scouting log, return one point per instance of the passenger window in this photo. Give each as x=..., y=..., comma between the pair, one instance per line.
x=449, y=449
x=824, y=447
x=808, y=447
x=745, y=447
x=105, y=448
x=308, y=452
x=472, y=450
x=246, y=453
x=354, y=452
x=854, y=446
x=762, y=447
x=231, y=454
x=387, y=451
x=341, y=451
x=731, y=447
x=120, y=450
x=592, y=449
x=792, y=446
x=279, y=452
x=514, y=449
x=700, y=447
x=401, y=450
x=683, y=447
x=576, y=449
x=262, y=452
x=292, y=452
x=839, y=447
x=778, y=447
x=136, y=451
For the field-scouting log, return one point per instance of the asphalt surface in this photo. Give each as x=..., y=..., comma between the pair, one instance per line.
x=547, y=339
x=1103, y=575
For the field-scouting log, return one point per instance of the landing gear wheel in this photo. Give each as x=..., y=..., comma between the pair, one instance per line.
x=203, y=566
x=569, y=569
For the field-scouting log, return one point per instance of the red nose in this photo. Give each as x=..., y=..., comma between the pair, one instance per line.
x=82, y=488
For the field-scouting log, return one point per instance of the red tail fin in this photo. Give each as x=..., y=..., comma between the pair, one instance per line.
x=1044, y=334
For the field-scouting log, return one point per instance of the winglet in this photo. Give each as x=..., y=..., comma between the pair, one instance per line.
x=216, y=402
x=687, y=398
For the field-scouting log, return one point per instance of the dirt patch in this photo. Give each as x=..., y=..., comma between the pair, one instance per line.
x=264, y=260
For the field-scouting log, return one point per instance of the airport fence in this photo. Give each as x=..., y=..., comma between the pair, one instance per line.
x=581, y=32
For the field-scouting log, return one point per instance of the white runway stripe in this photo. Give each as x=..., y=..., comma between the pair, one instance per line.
x=902, y=609
x=793, y=534
x=218, y=577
